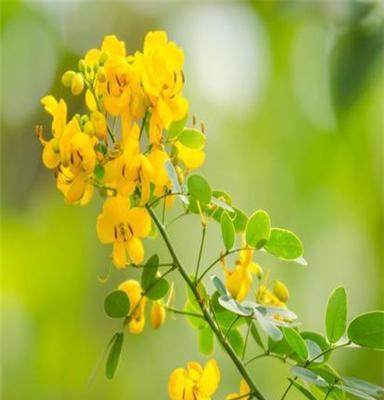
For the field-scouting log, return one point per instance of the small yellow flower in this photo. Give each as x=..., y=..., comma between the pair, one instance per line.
x=137, y=305
x=157, y=314
x=163, y=80
x=244, y=389
x=76, y=188
x=58, y=110
x=266, y=297
x=194, y=382
x=124, y=227
x=239, y=280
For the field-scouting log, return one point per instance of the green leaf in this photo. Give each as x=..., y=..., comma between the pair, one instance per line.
x=206, y=342
x=240, y=220
x=202, y=291
x=222, y=204
x=227, y=231
x=336, y=316
x=99, y=172
x=321, y=343
x=309, y=376
x=279, y=347
x=158, y=289
x=192, y=138
x=258, y=229
x=314, y=351
x=116, y=304
x=355, y=392
x=236, y=341
x=176, y=127
x=364, y=386
x=296, y=342
x=199, y=188
x=149, y=271
x=256, y=335
x=303, y=390
x=219, y=285
x=367, y=330
x=195, y=322
x=114, y=355
x=284, y=244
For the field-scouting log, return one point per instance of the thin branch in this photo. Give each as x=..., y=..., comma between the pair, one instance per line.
x=181, y=312
x=200, y=250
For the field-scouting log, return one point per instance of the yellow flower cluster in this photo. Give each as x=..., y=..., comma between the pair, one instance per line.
x=120, y=145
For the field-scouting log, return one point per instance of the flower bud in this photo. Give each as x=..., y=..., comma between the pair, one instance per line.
x=82, y=65
x=281, y=291
x=101, y=77
x=67, y=77
x=77, y=84
x=89, y=128
x=157, y=315
x=103, y=58
x=99, y=124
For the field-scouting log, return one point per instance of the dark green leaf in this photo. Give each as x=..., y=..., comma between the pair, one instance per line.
x=284, y=244
x=320, y=341
x=199, y=188
x=296, y=342
x=158, y=289
x=279, y=347
x=240, y=220
x=206, y=340
x=116, y=304
x=303, y=390
x=364, y=386
x=309, y=376
x=149, y=271
x=355, y=392
x=236, y=341
x=227, y=231
x=367, y=330
x=114, y=355
x=192, y=138
x=258, y=229
x=336, y=316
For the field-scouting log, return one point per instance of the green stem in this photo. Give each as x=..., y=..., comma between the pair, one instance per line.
x=246, y=342
x=200, y=251
x=288, y=389
x=227, y=253
x=181, y=312
x=231, y=326
x=228, y=349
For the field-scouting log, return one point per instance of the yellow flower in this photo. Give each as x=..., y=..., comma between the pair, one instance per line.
x=239, y=280
x=124, y=227
x=58, y=110
x=76, y=188
x=244, y=389
x=137, y=305
x=194, y=382
x=266, y=297
x=163, y=80
x=157, y=314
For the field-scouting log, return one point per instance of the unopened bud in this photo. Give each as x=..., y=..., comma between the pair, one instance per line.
x=103, y=58
x=157, y=315
x=67, y=77
x=101, y=77
x=281, y=291
x=82, y=65
x=77, y=84
x=55, y=145
x=99, y=124
x=89, y=128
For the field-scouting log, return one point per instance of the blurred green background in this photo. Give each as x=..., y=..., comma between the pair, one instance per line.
x=292, y=96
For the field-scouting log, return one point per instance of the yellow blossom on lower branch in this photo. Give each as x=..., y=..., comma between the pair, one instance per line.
x=244, y=390
x=194, y=382
x=124, y=227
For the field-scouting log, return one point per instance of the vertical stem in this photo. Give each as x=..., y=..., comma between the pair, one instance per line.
x=228, y=349
x=200, y=251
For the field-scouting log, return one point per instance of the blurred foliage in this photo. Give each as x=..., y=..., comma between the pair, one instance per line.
x=295, y=125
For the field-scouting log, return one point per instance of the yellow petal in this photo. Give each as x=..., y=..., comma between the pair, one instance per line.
x=210, y=378
x=119, y=255
x=51, y=158
x=76, y=190
x=140, y=221
x=50, y=104
x=113, y=46
x=105, y=228
x=90, y=101
x=135, y=250
x=244, y=388
x=157, y=315
x=177, y=383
